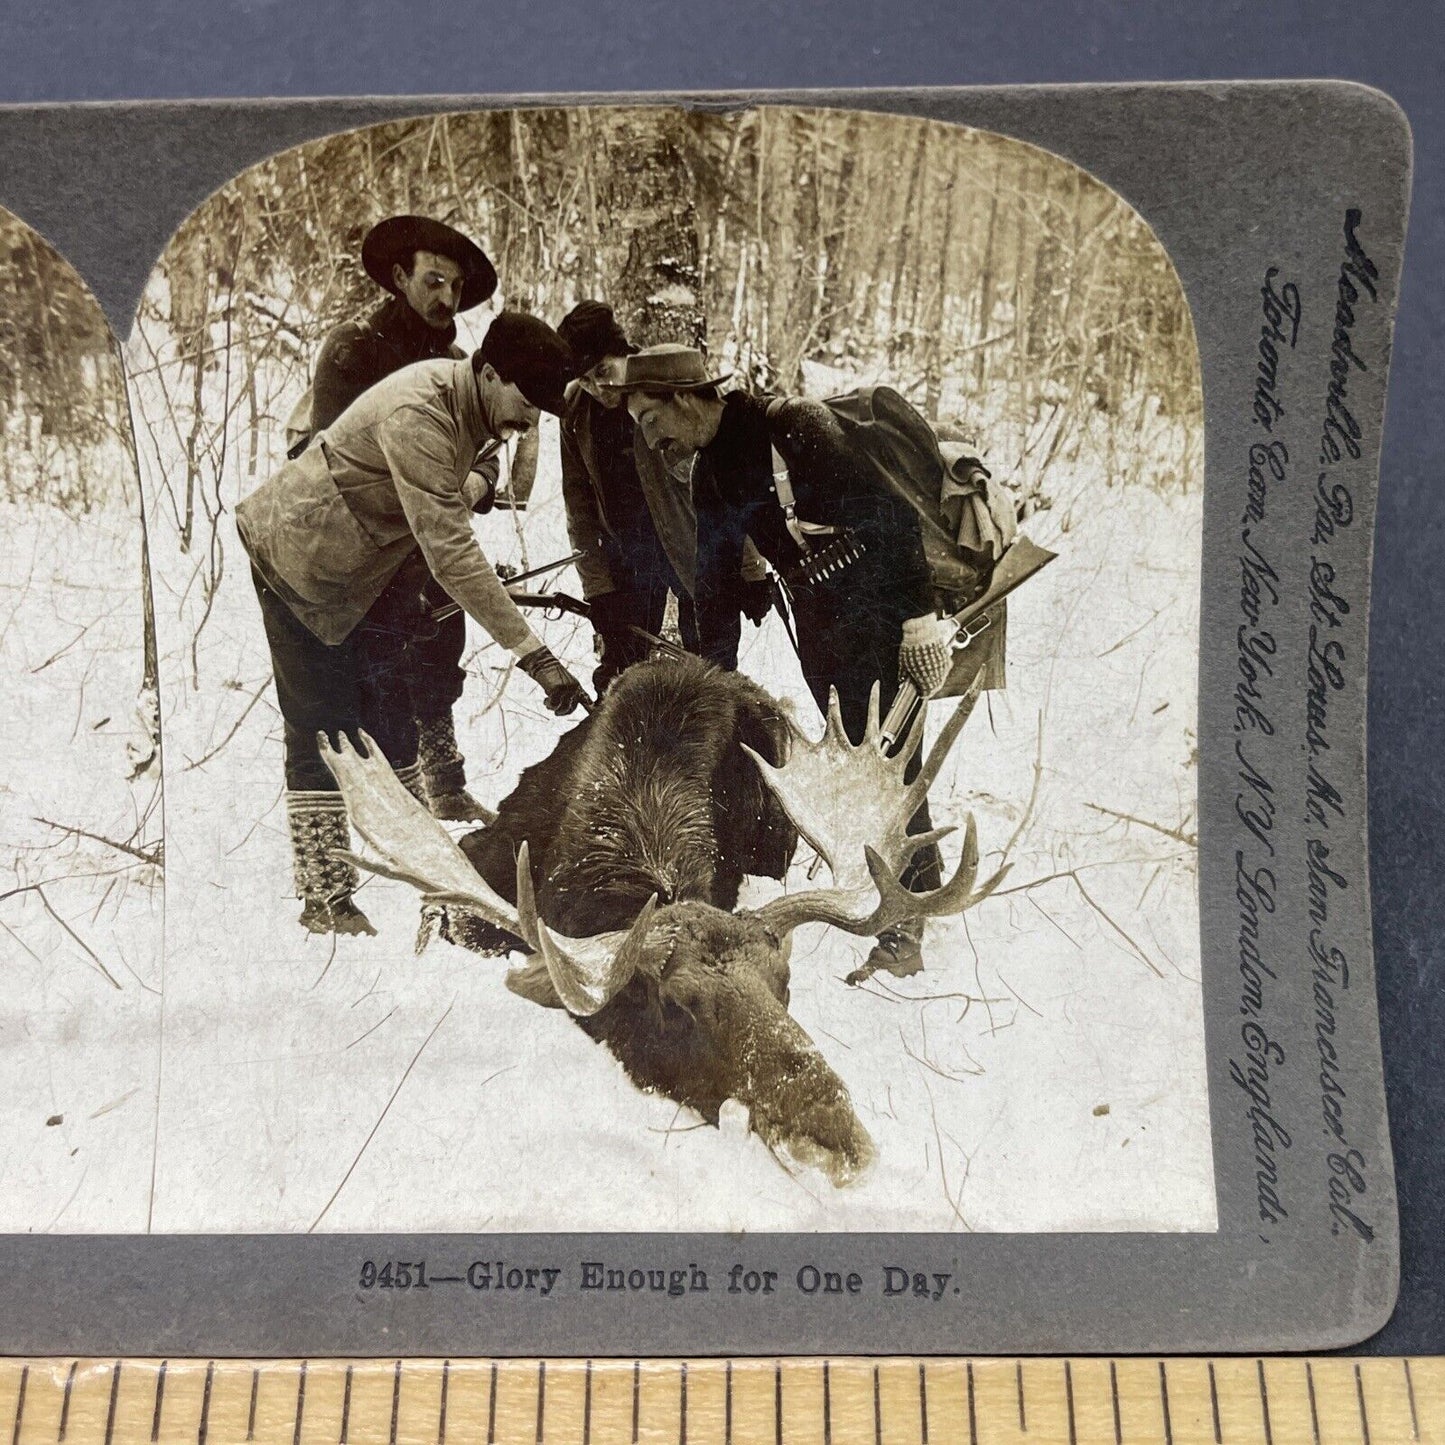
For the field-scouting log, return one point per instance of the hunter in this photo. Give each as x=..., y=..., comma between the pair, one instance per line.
x=433, y=273
x=634, y=524
x=849, y=551
x=337, y=540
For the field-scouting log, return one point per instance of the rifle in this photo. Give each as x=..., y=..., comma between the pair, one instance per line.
x=555, y=604
x=552, y=604
x=510, y=580
x=1015, y=567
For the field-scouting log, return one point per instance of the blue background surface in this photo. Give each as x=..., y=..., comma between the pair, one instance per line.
x=103, y=50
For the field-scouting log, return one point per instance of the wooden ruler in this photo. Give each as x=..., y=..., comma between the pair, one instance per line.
x=933, y=1401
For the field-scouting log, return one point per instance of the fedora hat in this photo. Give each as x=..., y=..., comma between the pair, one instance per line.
x=397, y=239
x=668, y=367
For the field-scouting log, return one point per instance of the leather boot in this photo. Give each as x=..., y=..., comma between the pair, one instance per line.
x=444, y=769
x=324, y=883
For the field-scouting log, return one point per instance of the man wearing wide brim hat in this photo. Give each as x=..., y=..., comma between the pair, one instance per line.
x=783, y=474
x=337, y=540
x=433, y=273
x=393, y=249
x=669, y=368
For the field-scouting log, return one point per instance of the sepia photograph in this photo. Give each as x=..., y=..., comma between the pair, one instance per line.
x=80, y=770
x=671, y=642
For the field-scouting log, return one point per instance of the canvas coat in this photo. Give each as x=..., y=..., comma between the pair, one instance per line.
x=331, y=529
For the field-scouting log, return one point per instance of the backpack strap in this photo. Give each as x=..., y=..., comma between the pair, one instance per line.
x=801, y=532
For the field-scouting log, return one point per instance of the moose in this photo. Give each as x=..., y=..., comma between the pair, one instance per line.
x=616, y=865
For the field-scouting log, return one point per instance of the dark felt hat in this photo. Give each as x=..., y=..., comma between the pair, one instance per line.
x=526, y=351
x=591, y=330
x=397, y=239
x=668, y=367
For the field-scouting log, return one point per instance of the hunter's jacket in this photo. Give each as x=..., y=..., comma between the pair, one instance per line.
x=329, y=530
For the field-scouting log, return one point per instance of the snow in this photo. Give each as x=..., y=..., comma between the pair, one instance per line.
x=80, y=1010
x=1046, y=1072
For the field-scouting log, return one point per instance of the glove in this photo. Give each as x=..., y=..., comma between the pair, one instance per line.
x=756, y=600
x=925, y=656
x=563, y=693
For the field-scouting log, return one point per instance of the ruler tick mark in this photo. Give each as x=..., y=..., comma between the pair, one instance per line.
x=877, y=1411
x=492, y=1408
x=923, y=1401
x=778, y=1403
x=541, y=1398
x=1360, y=1395
x=587, y=1405
x=345, y=1408
x=1314, y=1409
x=973, y=1409
x=1164, y=1401
x=728, y=1406
x=682, y=1407
x=204, y=1425
x=1018, y=1385
x=827, y=1406
x=300, y=1404
x=110, y=1411
x=160, y=1399
x=1214, y=1405
x=1410, y=1391
x=636, y=1396
x=1264, y=1403
x=1069, y=1400
x=1114, y=1394
x=442, y=1412
x=20, y=1405
x=65, y=1401
x=251, y=1414
x=395, y=1401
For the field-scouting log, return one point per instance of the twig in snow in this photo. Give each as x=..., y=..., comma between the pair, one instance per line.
x=1136, y=631
x=235, y=727
x=154, y=859
x=56, y=656
x=1144, y=957
x=1051, y=919
x=1033, y=792
x=381, y=1118
x=94, y=957
x=933, y=1068
x=369, y=1031
x=1178, y=834
x=948, y=1194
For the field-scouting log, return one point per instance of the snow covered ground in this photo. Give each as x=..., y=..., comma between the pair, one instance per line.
x=1045, y=1073
x=80, y=905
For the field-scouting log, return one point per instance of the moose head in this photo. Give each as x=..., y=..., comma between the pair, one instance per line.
x=692, y=999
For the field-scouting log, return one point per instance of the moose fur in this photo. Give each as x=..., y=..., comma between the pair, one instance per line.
x=655, y=794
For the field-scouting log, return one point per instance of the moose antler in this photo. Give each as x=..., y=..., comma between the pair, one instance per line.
x=586, y=972
x=411, y=846
x=851, y=803
x=414, y=848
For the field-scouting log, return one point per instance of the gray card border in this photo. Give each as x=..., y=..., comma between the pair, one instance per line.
x=1235, y=179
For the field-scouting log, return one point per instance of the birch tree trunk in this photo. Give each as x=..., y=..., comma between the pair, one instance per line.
x=648, y=244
